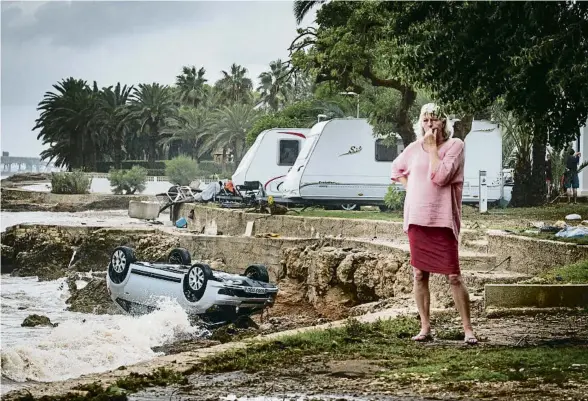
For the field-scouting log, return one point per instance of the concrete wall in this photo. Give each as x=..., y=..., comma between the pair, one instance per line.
x=536, y=295
x=533, y=256
x=234, y=222
x=13, y=197
x=48, y=197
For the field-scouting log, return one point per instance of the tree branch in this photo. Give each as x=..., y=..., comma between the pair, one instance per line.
x=387, y=83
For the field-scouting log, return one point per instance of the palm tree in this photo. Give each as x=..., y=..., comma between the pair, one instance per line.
x=234, y=86
x=115, y=119
x=275, y=85
x=302, y=7
x=191, y=131
x=191, y=86
x=67, y=123
x=153, y=105
x=230, y=128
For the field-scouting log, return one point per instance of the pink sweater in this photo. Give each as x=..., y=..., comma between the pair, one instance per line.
x=433, y=197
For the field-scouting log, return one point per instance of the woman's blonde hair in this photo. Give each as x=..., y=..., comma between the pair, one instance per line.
x=433, y=110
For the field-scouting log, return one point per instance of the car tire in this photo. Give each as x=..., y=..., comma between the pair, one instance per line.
x=120, y=260
x=179, y=256
x=257, y=272
x=195, y=281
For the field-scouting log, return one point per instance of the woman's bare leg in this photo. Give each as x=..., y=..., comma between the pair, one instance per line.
x=422, y=297
x=462, y=304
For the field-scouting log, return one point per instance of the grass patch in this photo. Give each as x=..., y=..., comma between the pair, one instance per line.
x=495, y=218
x=576, y=273
x=388, y=343
x=367, y=214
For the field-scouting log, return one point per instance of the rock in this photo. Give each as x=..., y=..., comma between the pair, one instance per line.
x=334, y=279
x=573, y=216
x=90, y=297
x=37, y=320
x=7, y=262
x=560, y=224
x=27, y=177
x=47, y=252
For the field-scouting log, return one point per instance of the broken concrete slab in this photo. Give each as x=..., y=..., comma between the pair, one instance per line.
x=144, y=210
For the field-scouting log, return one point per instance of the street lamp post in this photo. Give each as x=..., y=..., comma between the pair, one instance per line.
x=352, y=94
x=321, y=116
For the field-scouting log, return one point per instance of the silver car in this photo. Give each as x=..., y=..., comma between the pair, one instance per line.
x=214, y=296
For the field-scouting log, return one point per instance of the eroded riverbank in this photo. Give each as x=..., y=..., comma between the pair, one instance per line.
x=320, y=280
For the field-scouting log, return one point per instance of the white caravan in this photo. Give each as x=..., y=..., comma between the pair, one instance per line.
x=269, y=158
x=483, y=151
x=342, y=164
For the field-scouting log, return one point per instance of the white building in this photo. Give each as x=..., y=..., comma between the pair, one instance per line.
x=581, y=146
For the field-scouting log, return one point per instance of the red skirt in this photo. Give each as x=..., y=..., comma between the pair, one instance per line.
x=433, y=249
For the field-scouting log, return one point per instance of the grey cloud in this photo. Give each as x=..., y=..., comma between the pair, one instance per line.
x=79, y=24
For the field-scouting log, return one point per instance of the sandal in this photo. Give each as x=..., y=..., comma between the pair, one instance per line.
x=422, y=337
x=470, y=340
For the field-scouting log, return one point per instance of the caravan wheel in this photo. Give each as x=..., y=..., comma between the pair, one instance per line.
x=349, y=206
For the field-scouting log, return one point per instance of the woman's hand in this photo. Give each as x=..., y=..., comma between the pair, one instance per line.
x=403, y=181
x=430, y=140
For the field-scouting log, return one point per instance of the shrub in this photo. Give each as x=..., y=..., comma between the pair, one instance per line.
x=394, y=198
x=76, y=182
x=181, y=170
x=128, y=182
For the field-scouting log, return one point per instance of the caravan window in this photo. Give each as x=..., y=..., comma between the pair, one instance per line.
x=385, y=153
x=289, y=149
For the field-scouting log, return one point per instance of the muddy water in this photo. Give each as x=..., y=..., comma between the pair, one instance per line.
x=81, y=343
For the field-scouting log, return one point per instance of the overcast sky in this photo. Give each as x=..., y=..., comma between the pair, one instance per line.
x=129, y=42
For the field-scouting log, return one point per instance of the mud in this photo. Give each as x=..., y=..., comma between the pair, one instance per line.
x=319, y=378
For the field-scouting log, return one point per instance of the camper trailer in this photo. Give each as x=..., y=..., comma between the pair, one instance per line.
x=483, y=152
x=270, y=157
x=342, y=164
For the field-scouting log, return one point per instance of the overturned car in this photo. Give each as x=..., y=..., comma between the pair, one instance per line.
x=214, y=296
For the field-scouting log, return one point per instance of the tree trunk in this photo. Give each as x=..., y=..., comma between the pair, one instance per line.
x=405, y=129
x=153, y=137
x=463, y=127
x=118, y=153
x=522, y=179
x=537, y=188
x=529, y=178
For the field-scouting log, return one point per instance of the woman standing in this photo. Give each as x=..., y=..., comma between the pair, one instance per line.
x=431, y=170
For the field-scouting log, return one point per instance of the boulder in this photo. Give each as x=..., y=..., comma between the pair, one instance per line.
x=88, y=294
x=37, y=320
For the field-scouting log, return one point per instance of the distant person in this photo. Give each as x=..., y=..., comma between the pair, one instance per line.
x=431, y=170
x=548, y=175
x=572, y=183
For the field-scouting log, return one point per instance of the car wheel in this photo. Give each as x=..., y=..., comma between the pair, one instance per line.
x=257, y=272
x=195, y=281
x=349, y=206
x=179, y=256
x=120, y=260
